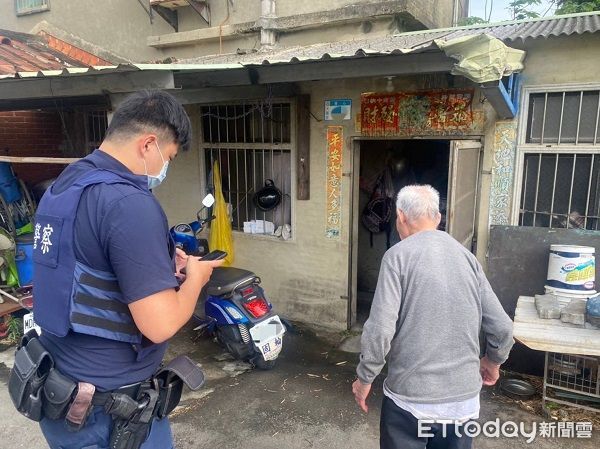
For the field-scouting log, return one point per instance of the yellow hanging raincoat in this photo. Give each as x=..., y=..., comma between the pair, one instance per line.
x=220, y=228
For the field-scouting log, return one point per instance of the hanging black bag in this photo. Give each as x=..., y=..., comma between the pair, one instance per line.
x=378, y=212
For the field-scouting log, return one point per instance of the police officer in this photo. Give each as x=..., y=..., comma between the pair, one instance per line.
x=106, y=295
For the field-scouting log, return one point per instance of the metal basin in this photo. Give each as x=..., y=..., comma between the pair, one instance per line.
x=517, y=388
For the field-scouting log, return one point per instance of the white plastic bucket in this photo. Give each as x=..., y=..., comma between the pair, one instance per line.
x=572, y=270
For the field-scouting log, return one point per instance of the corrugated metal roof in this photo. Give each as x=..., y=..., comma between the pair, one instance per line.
x=96, y=70
x=20, y=52
x=512, y=31
x=412, y=42
x=417, y=41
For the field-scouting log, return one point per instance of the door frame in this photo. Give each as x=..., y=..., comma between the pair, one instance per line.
x=452, y=185
x=354, y=215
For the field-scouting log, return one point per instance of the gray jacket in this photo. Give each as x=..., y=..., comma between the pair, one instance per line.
x=432, y=300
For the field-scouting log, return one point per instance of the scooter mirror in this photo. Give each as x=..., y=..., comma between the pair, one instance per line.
x=208, y=200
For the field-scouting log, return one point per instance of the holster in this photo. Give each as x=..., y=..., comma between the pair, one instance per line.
x=133, y=417
x=32, y=365
x=131, y=432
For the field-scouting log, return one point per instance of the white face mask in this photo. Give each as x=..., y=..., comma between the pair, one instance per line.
x=155, y=180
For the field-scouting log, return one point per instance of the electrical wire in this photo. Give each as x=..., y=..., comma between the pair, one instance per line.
x=62, y=119
x=264, y=108
x=221, y=29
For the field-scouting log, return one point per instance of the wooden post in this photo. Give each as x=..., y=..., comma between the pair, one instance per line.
x=303, y=147
x=38, y=160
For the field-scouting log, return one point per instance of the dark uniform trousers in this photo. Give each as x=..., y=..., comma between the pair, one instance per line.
x=96, y=433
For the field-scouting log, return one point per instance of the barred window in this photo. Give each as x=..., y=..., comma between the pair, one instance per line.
x=31, y=6
x=253, y=144
x=560, y=157
x=564, y=117
x=560, y=191
x=95, y=130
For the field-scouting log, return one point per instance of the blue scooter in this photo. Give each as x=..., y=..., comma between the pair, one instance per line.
x=236, y=309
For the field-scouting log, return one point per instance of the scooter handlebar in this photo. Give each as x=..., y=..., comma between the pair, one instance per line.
x=208, y=220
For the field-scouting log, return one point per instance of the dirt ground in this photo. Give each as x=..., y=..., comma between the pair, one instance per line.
x=305, y=402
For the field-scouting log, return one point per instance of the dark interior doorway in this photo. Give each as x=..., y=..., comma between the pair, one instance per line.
x=406, y=162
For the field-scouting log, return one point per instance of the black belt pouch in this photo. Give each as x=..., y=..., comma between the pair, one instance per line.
x=58, y=393
x=171, y=379
x=29, y=372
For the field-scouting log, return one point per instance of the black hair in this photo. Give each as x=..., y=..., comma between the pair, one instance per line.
x=151, y=110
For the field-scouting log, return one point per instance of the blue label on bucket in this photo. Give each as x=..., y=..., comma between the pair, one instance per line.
x=571, y=271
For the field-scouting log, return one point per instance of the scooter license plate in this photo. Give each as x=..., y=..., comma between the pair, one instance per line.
x=29, y=324
x=271, y=349
x=267, y=337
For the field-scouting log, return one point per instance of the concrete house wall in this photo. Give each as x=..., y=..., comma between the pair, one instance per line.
x=116, y=29
x=106, y=28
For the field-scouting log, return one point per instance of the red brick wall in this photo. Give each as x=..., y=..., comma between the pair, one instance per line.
x=32, y=133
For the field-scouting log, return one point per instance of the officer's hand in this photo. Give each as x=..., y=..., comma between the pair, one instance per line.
x=160, y=315
x=198, y=270
x=180, y=261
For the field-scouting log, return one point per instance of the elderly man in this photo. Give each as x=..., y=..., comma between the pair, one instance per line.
x=431, y=302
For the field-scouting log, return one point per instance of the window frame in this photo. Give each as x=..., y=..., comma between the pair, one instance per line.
x=524, y=148
x=92, y=114
x=45, y=6
x=204, y=146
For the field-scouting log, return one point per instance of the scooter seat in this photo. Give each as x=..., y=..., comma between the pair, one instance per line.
x=224, y=281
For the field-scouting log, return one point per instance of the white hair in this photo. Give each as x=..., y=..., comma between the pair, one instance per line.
x=419, y=201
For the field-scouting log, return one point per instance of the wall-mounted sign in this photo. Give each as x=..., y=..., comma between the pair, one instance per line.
x=357, y=123
x=504, y=152
x=338, y=109
x=427, y=113
x=335, y=140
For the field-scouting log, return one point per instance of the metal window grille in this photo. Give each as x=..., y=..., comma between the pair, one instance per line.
x=560, y=191
x=252, y=143
x=31, y=6
x=572, y=379
x=564, y=117
x=96, y=125
x=560, y=151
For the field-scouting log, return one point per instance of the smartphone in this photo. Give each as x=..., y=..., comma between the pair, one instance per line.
x=214, y=255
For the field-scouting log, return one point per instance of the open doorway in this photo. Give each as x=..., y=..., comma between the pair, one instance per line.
x=393, y=164
x=452, y=167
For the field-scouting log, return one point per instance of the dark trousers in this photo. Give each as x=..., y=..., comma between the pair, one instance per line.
x=96, y=433
x=399, y=429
